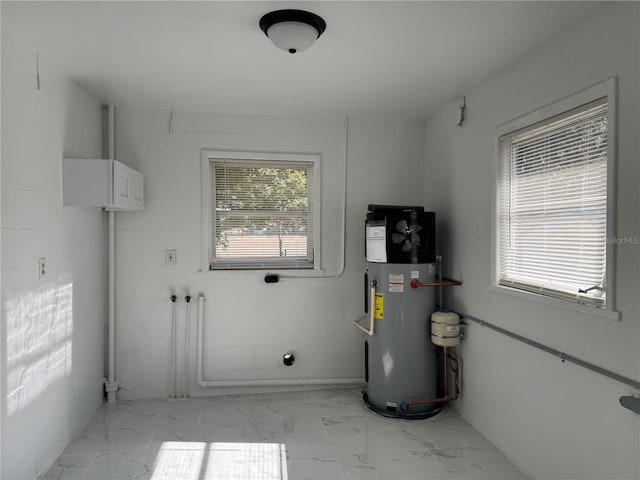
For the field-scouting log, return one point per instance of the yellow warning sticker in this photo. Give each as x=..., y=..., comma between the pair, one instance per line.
x=379, y=307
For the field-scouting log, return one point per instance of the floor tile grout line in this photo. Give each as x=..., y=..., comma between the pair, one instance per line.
x=88, y=466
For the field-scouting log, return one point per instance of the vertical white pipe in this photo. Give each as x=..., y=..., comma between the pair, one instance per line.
x=111, y=395
x=173, y=348
x=200, y=339
x=112, y=385
x=186, y=348
x=111, y=118
x=439, y=260
x=372, y=308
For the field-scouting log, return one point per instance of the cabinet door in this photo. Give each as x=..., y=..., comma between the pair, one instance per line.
x=128, y=193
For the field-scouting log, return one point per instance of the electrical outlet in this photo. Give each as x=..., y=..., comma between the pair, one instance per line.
x=170, y=257
x=42, y=268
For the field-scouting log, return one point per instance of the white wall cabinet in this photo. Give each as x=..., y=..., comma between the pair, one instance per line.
x=101, y=183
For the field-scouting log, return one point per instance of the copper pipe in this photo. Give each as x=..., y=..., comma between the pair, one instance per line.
x=446, y=371
x=456, y=373
x=446, y=398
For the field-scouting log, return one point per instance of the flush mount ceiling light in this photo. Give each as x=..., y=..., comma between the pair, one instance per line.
x=292, y=30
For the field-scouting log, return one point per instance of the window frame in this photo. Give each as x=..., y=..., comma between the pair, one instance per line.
x=601, y=90
x=207, y=158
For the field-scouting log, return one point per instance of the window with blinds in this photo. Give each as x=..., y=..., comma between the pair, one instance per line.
x=261, y=214
x=552, y=206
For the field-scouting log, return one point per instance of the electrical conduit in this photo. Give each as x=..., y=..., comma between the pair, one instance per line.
x=343, y=245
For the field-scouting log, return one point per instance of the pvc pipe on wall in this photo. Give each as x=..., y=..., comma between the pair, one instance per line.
x=253, y=383
x=343, y=244
x=186, y=347
x=173, y=347
x=111, y=385
x=200, y=340
x=282, y=382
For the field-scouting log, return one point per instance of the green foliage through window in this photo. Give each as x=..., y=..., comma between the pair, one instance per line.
x=261, y=212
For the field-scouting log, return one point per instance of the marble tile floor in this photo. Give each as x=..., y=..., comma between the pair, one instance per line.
x=318, y=434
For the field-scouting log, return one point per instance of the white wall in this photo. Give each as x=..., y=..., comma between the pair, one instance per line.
x=52, y=328
x=249, y=324
x=553, y=420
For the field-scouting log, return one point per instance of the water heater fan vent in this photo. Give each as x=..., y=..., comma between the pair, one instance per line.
x=408, y=235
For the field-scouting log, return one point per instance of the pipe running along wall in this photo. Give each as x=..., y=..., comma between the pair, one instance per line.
x=207, y=383
x=174, y=395
x=343, y=244
x=111, y=386
x=173, y=299
x=631, y=402
x=185, y=375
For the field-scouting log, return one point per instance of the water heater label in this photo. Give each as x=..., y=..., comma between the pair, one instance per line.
x=415, y=274
x=376, y=237
x=379, y=307
x=396, y=282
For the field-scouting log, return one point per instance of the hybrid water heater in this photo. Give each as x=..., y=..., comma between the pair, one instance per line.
x=401, y=362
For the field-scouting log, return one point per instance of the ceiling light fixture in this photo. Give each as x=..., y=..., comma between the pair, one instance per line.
x=292, y=30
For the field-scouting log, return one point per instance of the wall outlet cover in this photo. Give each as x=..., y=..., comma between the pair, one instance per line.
x=170, y=257
x=42, y=268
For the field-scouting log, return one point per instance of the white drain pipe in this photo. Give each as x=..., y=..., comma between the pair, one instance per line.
x=254, y=383
x=173, y=299
x=185, y=376
x=111, y=386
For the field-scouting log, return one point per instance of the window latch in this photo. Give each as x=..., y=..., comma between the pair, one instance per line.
x=595, y=287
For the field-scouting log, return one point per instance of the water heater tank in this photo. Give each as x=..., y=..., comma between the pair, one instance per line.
x=401, y=363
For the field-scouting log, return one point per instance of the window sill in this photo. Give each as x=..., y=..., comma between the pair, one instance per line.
x=261, y=268
x=555, y=302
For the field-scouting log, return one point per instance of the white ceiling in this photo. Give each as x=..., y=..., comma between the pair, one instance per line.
x=394, y=58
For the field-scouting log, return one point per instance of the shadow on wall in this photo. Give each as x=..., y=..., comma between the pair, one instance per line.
x=39, y=329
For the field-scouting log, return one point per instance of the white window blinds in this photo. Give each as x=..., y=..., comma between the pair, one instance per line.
x=261, y=214
x=553, y=206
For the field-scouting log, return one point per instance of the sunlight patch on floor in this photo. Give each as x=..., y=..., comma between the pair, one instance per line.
x=231, y=461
